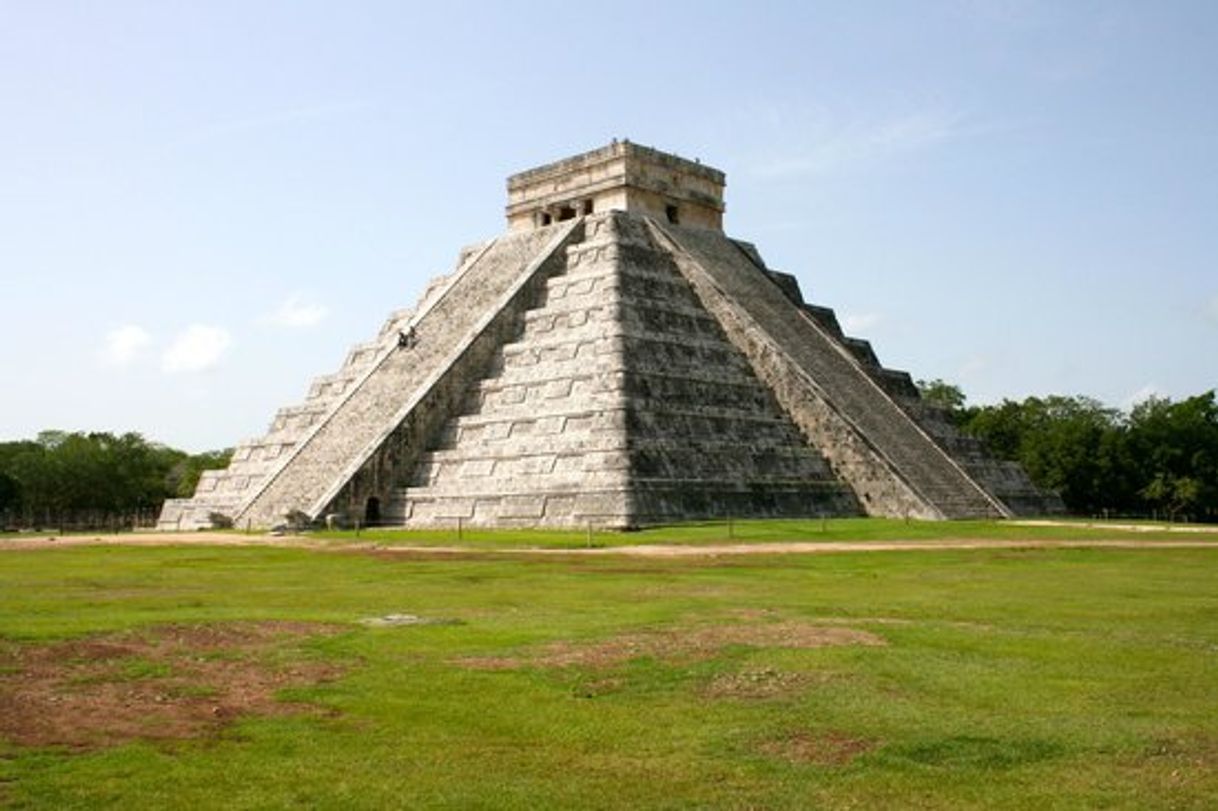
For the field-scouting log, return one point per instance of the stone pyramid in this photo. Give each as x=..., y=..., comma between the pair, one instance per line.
x=614, y=360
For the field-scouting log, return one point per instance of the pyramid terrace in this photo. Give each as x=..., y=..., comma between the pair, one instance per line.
x=615, y=360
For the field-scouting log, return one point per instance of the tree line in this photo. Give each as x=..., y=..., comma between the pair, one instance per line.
x=94, y=480
x=1159, y=459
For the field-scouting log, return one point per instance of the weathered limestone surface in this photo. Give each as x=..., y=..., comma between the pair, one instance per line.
x=707, y=438
x=619, y=177
x=399, y=380
x=222, y=492
x=887, y=458
x=620, y=403
x=1006, y=481
x=614, y=360
x=539, y=439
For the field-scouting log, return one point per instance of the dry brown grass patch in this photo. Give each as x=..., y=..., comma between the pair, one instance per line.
x=1181, y=760
x=166, y=682
x=817, y=748
x=677, y=644
x=755, y=684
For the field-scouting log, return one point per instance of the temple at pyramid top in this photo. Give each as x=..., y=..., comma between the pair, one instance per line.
x=619, y=177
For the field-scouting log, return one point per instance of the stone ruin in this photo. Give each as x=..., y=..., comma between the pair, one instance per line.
x=614, y=360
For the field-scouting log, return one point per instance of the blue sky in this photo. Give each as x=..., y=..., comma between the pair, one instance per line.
x=203, y=205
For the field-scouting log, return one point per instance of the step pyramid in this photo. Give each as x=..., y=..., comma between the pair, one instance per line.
x=613, y=360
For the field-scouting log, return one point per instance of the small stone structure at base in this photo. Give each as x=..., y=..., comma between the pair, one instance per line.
x=614, y=360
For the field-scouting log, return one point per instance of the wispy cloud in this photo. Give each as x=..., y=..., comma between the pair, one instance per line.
x=124, y=345
x=831, y=147
x=1141, y=395
x=296, y=312
x=855, y=323
x=196, y=348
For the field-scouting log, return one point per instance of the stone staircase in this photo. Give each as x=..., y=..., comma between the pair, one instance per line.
x=615, y=372
x=397, y=381
x=221, y=492
x=539, y=439
x=707, y=438
x=889, y=449
x=620, y=402
x=1007, y=481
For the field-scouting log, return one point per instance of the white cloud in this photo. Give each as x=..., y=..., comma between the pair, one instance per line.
x=295, y=312
x=1141, y=395
x=196, y=348
x=830, y=147
x=124, y=345
x=855, y=323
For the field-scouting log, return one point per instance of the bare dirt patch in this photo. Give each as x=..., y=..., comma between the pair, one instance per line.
x=676, y=644
x=1181, y=761
x=165, y=682
x=758, y=684
x=818, y=748
x=1196, y=749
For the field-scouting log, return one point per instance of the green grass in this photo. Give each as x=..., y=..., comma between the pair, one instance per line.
x=751, y=531
x=1065, y=678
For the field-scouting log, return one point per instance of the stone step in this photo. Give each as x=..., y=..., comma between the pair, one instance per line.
x=826, y=318
x=321, y=465
x=848, y=389
x=663, y=502
x=676, y=317
x=897, y=383
x=695, y=350
x=727, y=461
x=862, y=352
x=576, y=507
x=515, y=393
x=787, y=283
x=332, y=386
x=572, y=476
x=651, y=416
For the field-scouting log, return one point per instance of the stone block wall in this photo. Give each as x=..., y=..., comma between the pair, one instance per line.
x=891, y=463
x=614, y=371
x=1006, y=481
x=620, y=403
x=353, y=432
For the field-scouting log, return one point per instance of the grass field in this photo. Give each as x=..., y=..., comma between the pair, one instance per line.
x=1040, y=678
x=828, y=530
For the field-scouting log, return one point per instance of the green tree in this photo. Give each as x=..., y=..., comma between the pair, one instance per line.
x=1173, y=495
x=183, y=476
x=11, y=500
x=10, y=493
x=96, y=474
x=1176, y=445
x=946, y=395
x=1073, y=445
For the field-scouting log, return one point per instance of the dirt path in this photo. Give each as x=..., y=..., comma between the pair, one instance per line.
x=34, y=542
x=1110, y=525
x=827, y=547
